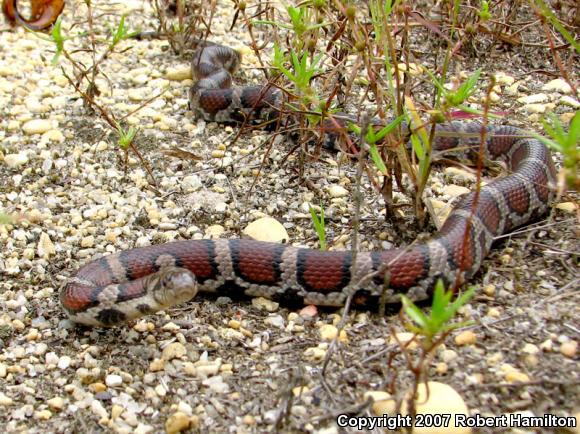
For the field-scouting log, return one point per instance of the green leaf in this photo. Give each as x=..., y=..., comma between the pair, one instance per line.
x=414, y=312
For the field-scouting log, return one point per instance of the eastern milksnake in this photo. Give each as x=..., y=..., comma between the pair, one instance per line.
x=135, y=282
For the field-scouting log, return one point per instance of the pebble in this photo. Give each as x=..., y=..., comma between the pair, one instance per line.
x=569, y=349
x=337, y=191
x=455, y=190
x=215, y=231
x=43, y=415
x=56, y=403
x=448, y=355
x=267, y=229
x=516, y=377
x=174, y=350
x=64, y=362
x=216, y=384
x=5, y=400
x=275, y=321
x=530, y=349
x=45, y=247
x=315, y=353
x=402, y=338
x=16, y=160
x=328, y=332
x=36, y=126
x=308, y=312
x=460, y=174
x=440, y=399
x=569, y=101
x=558, y=85
x=178, y=73
x=466, y=337
x=262, y=303
x=113, y=380
x=533, y=99
x=570, y=207
x=489, y=290
x=177, y=422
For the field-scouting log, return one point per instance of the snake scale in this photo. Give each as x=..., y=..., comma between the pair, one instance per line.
x=132, y=283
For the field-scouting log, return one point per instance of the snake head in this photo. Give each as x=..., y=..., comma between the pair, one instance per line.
x=174, y=285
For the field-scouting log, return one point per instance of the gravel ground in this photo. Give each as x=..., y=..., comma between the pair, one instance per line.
x=221, y=365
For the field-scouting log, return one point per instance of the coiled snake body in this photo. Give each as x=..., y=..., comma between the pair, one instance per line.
x=135, y=282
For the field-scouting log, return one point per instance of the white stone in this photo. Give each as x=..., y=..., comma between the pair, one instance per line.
x=37, y=126
x=15, y=160
x=267, y=229
x=559, y=85
x=533, y=99
x=337, y=191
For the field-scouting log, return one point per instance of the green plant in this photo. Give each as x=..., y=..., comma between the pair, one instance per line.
x=319, y=226
x=442, y=312
x=565, y=143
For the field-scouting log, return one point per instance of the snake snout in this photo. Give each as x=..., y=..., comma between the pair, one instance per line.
x=176, y=285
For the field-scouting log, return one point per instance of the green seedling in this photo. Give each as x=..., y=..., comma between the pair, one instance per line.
x=565, y=143
x=319, y=226
x=442, y=312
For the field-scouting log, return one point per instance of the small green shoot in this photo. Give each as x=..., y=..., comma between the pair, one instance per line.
x=373, y=137
x=319, y=226
x=483, y=13
x=126, y=137
x=564, y=143
x=442, y=311
x=121, y=33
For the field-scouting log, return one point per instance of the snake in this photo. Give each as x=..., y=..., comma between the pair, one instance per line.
x=43, y=13
x=129, y=284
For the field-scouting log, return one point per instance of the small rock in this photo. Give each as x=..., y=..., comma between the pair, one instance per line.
x=64, y=362
x=559, y=85
x=328, y=332
x=448, y=355
x=178, y=73
x=267, y=229
x=569, y=101
x=215, y=231
x=4, y=400
x=570, y=207
x=16, y=160
x=466, y=337
x=315, y=353
x=191, y=183
x=337, y=191
x=45, y=247
x=262, y=303
x=177, y=422
x=460, y=174
x=503, y=79
x=36, y=126
x=440, y=399
x=56, y=403
x=157, y=365
x=308, y=312
x=275, y=321
x=516, y=376
x=43, y=415
x=113, y=380
x=530, y=349
x=404, y=339
x=216, y=384
x=569, y=349
x=455, y=190
x=533, y=99
x=174, y=350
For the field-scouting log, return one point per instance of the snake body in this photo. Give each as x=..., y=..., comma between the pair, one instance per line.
x=135, y=282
